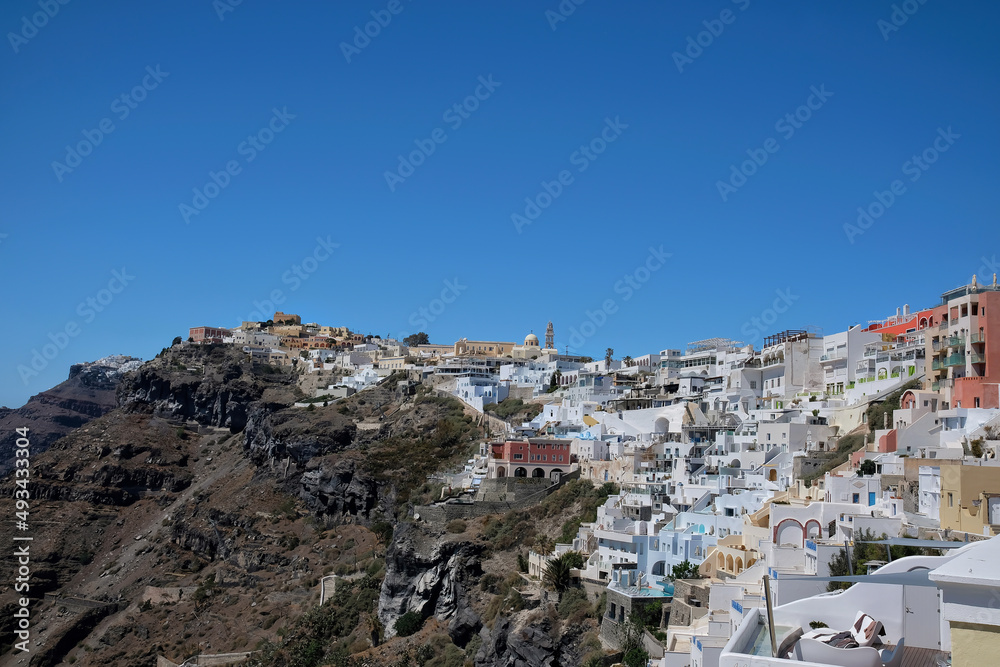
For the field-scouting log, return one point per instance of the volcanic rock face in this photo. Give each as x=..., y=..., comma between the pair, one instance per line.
x=428, y=575
x=88, y=393
x=191, y=396
x=514, y=642
x=273, y=433
x=339, y=489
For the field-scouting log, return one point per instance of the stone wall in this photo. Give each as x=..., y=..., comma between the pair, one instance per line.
x=806, y=465
x=445, y=512
x=690, y=602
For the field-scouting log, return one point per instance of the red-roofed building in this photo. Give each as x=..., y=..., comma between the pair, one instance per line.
x=205, y=335
x=533, y=457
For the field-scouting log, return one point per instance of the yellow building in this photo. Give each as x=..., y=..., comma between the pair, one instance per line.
x=482, y=348
x=334, y=332
x=430, y=350
x=293, y=330
x=970, y=498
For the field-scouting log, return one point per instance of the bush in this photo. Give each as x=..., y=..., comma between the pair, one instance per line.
x=685, y=570
x=574, y=606
x=408, y=624
x=456, y=526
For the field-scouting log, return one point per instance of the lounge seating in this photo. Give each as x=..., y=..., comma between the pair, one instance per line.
x=788, y=643
x=893, y=658
x=867, y=631
x=813, y=650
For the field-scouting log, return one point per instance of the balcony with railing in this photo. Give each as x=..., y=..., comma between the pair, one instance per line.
x=943, y=326
x=977, y=358
x=977, y=338
x=956, y=341
x=936, y=345
x=955, y=360
x=935, y=386
x=937, y=365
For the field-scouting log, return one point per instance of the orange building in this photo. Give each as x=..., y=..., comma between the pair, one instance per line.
x=963, y=346
x=205, y=335
x=533, y=457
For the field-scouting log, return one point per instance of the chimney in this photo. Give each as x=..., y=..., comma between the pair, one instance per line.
x=906, y=309
x=897, y=313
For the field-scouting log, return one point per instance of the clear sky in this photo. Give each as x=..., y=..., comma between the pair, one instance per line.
x=623, y=123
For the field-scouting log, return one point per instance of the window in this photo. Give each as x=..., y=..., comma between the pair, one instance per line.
x=855, y=498
x=517, y=457
x=753, y=384
x=951, y=500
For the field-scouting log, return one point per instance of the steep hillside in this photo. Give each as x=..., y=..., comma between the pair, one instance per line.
x=89, y=392
x=201, y=514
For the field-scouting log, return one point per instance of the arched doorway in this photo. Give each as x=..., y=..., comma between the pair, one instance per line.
x=729, y=563
x=520, y=472
x=501, y=471
x=772, y=475
x=538, y=472
x=555, y=474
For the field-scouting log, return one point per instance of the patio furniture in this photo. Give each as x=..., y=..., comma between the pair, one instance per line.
x=812, y=650
x=893, y=658
x=788, y=643
x=866, y=630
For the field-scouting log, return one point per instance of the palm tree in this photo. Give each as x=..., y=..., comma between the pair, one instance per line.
x=627, y=361
x=608, y=354
x=556, y=574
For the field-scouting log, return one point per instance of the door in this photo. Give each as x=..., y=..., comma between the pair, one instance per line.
x=922, y=617
x=871, y=498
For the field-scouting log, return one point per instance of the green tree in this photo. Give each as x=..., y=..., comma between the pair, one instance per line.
x=867, y=468
x=608, y=356
x=557, y=573
x=409, y=623
x=685, y=570
x=416, y=339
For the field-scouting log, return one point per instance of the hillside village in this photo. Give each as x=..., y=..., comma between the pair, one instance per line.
x=739, y=473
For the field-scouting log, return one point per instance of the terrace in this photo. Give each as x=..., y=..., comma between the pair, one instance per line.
x=904, y=597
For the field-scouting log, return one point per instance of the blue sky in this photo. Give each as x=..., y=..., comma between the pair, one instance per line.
x=640, y=137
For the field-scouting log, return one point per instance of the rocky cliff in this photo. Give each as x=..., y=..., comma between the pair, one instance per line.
x=87, y=393
x=429, y=574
